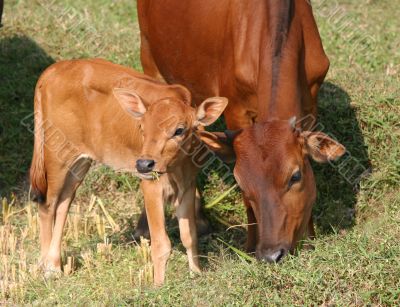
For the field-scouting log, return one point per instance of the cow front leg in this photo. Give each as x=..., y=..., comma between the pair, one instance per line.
x=251, y=228
x=146, y=57
x=142, y=227
x=160, y=243
x=310, y=235
x=310, y=229
x=185, y=212
x=202, y=224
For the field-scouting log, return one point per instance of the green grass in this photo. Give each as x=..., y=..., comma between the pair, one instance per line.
x=356, y=260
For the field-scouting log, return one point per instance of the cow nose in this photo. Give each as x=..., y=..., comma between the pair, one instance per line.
x=271, y=256
x=145, y=165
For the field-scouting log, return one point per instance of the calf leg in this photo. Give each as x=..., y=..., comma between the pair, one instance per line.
x=160, y=243
x=61, y=192
x=203, y=225
x=55, y=181
x=46, y=223
x=52, y=260
x=185, y=212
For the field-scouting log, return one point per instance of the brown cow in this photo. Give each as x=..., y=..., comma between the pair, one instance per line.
x=267, y=58
x=94, y=110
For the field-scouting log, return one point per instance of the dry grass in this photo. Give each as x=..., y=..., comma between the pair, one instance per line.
x=19, y=254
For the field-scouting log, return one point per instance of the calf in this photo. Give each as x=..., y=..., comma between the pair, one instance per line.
x=94, y=110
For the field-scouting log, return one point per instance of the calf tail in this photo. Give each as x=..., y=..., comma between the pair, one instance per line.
x=38, y=172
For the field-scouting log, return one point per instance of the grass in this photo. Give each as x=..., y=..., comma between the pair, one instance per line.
x=356, y=260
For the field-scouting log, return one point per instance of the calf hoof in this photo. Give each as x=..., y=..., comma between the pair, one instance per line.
x=51, y=272
x=158, y=284
x=194, y=271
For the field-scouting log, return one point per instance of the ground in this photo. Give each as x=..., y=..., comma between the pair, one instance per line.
x=356, y=260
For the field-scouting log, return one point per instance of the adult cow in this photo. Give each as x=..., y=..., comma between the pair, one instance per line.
x=267, y=58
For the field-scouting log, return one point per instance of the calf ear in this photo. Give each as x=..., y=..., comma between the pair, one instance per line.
x=219, y=144
x=321, y=147
x=130, y=101
x=210, y=109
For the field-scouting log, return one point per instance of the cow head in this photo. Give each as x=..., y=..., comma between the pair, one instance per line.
x=273, y=170
x=167, y=126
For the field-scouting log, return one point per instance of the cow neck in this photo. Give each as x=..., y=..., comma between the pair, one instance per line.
x=279, y=86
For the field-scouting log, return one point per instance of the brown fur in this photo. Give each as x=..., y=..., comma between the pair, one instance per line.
x=94, y=110
x=267, y=58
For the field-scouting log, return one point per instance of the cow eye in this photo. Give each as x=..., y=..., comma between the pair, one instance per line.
x=179, y=131
x=296, y=177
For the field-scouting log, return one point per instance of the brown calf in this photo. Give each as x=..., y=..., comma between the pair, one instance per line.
x=94, y=110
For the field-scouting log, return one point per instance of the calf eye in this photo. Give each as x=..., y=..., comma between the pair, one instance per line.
x=296, y=177
x=179, y=131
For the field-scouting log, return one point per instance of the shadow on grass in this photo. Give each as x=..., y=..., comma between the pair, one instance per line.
x=21, y=63
x=338, y=183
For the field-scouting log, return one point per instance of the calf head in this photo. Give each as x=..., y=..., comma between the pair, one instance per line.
x=167, y=127
x=273, y=170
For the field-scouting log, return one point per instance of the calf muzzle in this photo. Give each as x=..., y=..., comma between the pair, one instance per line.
x=145, y=165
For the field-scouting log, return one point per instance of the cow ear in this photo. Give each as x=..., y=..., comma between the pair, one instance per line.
x=321, y=147
x=130, y=101
x=210, y=109
x=219, y=144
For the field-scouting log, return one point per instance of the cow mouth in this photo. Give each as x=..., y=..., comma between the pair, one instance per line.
x=154, y=175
